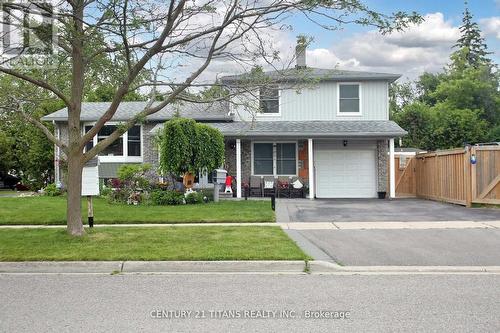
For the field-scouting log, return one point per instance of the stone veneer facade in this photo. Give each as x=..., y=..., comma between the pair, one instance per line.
x=246, y=159
x=150, y=155
x=382, y=160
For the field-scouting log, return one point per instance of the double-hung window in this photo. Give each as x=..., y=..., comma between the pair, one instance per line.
x=114, y=149
x=134, y=141
x=349, y=99
x=275, y=159
x=269, y=98
x=286, y=159
x=263, y=159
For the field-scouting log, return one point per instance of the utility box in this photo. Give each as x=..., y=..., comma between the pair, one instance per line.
x=90, y=178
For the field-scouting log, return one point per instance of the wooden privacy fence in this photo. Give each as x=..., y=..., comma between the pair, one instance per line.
x=406, y=181
x=485, y=175
x=450, y=176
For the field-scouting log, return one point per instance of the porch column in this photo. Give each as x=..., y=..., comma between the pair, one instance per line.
x=238, y=168
x=392, y=171
x=311, y=168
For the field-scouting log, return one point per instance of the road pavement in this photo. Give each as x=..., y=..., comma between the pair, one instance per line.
x=145, y=303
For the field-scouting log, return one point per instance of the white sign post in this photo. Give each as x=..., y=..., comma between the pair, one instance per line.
x=90, y=186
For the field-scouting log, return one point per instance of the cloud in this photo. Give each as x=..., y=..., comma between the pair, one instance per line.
x=424, y=47
x=491, y=25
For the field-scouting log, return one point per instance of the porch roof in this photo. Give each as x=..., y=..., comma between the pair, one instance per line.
x=344, y=128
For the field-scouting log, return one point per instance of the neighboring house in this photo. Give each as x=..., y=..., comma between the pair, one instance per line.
x=333, y=131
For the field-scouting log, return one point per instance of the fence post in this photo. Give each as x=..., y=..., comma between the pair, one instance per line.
x=468, y=177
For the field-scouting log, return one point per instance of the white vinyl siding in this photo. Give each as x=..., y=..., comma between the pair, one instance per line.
x=319, y=102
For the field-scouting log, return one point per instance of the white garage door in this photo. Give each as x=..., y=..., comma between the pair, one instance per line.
x=345, y=173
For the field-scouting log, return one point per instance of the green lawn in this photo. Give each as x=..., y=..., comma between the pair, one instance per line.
x=155, y=243
x=52, y=210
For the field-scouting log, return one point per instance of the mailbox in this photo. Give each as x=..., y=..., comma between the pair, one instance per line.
x=219, y=176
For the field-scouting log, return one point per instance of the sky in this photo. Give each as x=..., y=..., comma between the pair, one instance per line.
x=421, y=48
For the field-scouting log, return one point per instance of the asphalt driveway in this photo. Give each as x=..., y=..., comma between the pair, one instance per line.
x=404, y=247
x=368, y=210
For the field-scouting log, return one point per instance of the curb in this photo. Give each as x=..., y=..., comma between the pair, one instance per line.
x=319, y=266
x=200, y=267
x=114, y=267
x=214, y=267
x=61, y=267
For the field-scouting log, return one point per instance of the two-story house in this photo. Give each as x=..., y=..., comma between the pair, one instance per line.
x=328, y=127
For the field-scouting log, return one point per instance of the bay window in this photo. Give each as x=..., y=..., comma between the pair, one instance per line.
x=274, y=158
x=126, y=147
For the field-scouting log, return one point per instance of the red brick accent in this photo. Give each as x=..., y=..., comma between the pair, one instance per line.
x=303, y=160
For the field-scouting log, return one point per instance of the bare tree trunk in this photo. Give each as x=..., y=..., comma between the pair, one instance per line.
x=74, y=205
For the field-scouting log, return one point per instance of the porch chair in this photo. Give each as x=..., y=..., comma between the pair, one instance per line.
x=297, y=192
x=283, y=187
x=269, y=186
x=255, y=186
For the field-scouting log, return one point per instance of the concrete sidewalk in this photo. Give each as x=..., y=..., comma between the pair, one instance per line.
x=146, y=225
x=390, y=225
x=302, y=225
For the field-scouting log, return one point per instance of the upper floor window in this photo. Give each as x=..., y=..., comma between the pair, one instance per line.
x=129, y=144
x=269, y=100
x=349, y=99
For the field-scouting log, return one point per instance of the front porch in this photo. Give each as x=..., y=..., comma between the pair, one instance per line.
x=262, y=167
x=330, y=159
